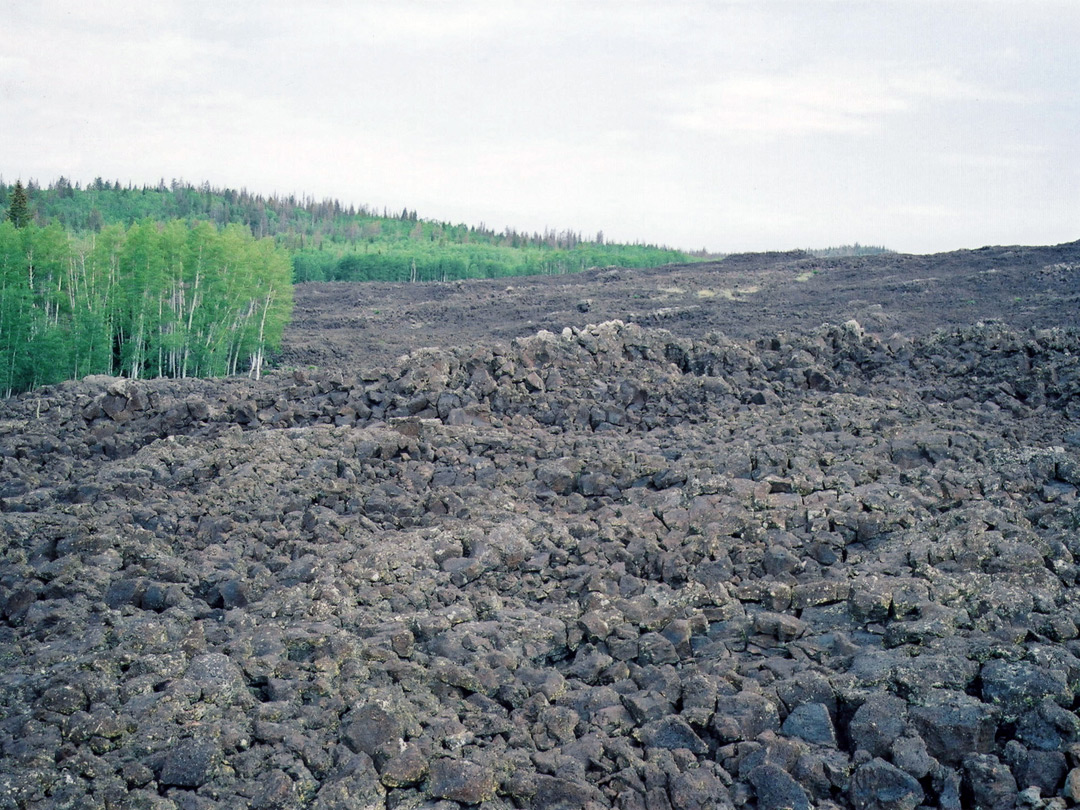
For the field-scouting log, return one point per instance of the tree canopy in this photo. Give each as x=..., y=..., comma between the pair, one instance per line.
x=147, y=300
x=329, y=241
x=19, y=209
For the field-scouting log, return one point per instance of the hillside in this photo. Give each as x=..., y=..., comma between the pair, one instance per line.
x=772, y=532
x=329, y=241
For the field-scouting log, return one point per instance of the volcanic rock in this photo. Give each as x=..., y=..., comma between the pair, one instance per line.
x=819, y=550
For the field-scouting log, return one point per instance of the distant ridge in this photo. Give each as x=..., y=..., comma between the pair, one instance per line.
x=329, y=241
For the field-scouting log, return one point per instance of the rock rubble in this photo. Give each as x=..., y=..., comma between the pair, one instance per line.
x=607, y=568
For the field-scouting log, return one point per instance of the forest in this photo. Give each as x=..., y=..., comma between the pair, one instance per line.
x=329, y=241
x=178, y=280
x=182, y=280
x=152, y=299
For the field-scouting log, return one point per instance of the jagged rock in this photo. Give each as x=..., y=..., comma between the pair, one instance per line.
x=810, y=722
x=878, y=723
x=1045, y=770
x=877, y=785
x=191, y=764
x=1071, y=790
x=352, y=783
x=368, y=728
x=1048, y=727
x=698, y=789
x=955, y=725
x=218, y=677
x=671, y=732
x=461, y=781
x=744, y=716
x=776, y=789
x=562, y=794
x=608, y=567
x=1019, y=686
x=992, y=785
x=909, y=754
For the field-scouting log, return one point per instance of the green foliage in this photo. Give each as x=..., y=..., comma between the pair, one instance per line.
x=19, y=208
x=144, y=301
x=411, y=261
x=330, y=242
x=844, y=251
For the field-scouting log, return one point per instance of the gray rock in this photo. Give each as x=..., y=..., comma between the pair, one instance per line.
x=955, y=725
x=780, y=625
x=810, y=722
x=190, y=764
x=1019, y=686
x=1045, y=770
x=1049, y=726
x=807, y=687
x=698, y=789
x=654, y=648
x=220, y=680
x=776, y=790
x=556, y=793
x=878, y=723
x=909, y=755
x=671, y=733
x=353, y=783
x=408, y=766
x=461, y=781
x=1071, y=790
x=992, y=785
x=744, y=716
x=275, y=790
x=367, y=728
x=877, y=785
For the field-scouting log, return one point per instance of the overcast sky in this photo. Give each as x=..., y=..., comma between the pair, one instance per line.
x=920, y=125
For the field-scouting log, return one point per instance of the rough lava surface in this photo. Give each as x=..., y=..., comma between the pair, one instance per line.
x=776, y=532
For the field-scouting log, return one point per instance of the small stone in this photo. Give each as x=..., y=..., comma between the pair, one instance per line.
x=368, y=727
x=877, y=785
x=461, y=781
x=219, y=678
x=744, y=716
x=780, y=625
x=1045, y=770
x=275, y=790
x=954, y=726
x=406, y=768
x=777, y=790
x=653, y=648
x=992, y=785
x=191, y=764
x=877, y=723
x=671, y=733
x=909, y=755
x=810, y=722
x=1072, y=785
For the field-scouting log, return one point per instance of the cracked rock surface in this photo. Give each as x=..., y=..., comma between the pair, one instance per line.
x=608, y=566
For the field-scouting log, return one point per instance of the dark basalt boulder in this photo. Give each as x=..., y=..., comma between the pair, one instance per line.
x=601, y=566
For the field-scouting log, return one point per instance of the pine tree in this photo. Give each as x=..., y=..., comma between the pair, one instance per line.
x=19, y=210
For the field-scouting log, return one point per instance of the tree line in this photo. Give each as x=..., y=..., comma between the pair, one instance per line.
x=150, y=299
x=431, y=261
x=847, y=251
x=328, y=240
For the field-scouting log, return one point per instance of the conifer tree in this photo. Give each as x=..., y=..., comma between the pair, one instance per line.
x=19, y=209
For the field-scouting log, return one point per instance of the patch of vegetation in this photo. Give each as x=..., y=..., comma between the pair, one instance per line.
x=153, y=299
x=328, y=241
x=843, y=251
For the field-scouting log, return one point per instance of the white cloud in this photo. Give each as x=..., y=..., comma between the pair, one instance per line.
x=836, y=99
x=941, y=84
x=772, y=105
x=729, y=124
